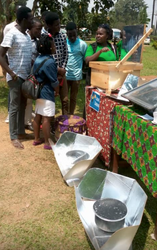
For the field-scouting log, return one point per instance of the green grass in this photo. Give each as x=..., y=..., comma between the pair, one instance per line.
x=3, y=95
x=149, y=61
x=143, y=240
x=55, y=225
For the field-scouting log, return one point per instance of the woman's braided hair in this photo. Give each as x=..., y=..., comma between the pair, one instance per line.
x=44, y=44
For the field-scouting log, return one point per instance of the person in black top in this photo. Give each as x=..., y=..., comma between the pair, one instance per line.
x=61, y=56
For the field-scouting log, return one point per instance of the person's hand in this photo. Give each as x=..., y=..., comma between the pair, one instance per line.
x=14, y=76
x=105, y=49
x=56, y=91
x=61, y=72
x=59, y=77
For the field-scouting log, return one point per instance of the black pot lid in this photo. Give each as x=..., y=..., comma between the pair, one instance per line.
x=110, y=209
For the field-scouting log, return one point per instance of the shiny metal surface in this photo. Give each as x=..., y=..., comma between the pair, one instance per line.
x=109, y=226
x=98, y=184
x=75, y=154
x=110, y=209
x=109, y=214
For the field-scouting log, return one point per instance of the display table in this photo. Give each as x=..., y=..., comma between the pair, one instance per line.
x=136, y=140
x=130, y=136
x=118, y=127
x=99, y=124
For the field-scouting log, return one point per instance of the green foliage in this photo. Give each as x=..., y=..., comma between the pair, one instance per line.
x=154, y=45
x=7, y=10
x=153, y=38
x=126, y=12
x=76, y=11
x=41, y=5
x=149, y=61
x=102, y=5
x=3, y=95
x=143, y=17
x=95, y=19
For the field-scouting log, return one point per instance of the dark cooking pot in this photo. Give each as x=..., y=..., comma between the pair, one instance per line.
x=110, y=214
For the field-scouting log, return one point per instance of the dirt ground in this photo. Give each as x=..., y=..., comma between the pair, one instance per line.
x=29, y=182
x=33, y=197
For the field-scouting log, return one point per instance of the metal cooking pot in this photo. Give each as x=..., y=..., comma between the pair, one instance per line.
x=77, y=155
x=109, y=214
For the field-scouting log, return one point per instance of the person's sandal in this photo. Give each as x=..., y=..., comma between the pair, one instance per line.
x=39, y=142
x=17, y=144
x=48, y=147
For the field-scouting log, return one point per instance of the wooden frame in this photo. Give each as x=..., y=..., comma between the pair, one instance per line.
x=111, y=75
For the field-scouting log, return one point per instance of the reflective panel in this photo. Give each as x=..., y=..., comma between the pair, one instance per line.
x=144, y=96
x=101, y=184
x=75, y=154
x=130, y=37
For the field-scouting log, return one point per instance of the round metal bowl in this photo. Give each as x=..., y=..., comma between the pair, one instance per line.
x=77, y=155
x=109, y=214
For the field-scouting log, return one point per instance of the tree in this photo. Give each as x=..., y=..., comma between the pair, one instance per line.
x=129, y=12
x=95, y=19
x=102, y=6
x=100, y=14
x=7, y=11
x=74, y=10
x=77, y=11
x=41, y=5
x=143, y=17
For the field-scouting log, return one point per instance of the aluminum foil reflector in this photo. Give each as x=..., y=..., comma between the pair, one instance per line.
x=75, y=154
x=97, y=185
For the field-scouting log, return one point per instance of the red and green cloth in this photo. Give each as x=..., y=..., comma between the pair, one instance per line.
x=136, y=140
x=99, y=124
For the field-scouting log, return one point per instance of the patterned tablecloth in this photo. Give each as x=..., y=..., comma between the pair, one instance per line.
x=136, y=140
x=99, y=124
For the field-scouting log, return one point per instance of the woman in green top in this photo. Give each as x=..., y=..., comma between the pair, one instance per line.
x=102, y=50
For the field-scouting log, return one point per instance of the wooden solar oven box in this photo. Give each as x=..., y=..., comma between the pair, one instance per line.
x=106, y=75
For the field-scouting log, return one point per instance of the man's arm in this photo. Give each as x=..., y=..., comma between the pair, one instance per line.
x=3, y=63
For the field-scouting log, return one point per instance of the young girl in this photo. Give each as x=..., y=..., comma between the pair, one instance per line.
x=45, y=105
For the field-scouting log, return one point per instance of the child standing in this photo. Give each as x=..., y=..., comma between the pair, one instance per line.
x=76, y=52
x=45, y=104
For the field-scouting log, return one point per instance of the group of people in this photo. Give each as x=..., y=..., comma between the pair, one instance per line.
x=25, y=45
x=29, y=43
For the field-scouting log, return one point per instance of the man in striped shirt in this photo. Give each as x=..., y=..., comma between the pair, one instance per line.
x=18, y=46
